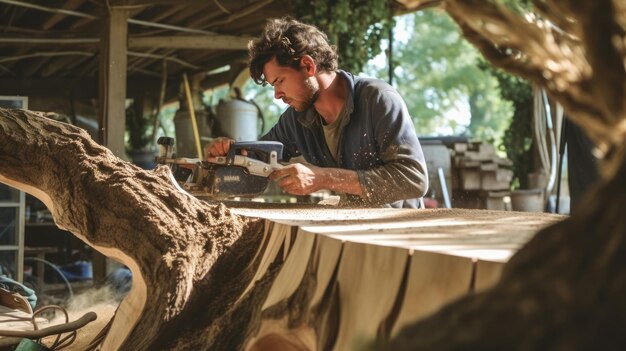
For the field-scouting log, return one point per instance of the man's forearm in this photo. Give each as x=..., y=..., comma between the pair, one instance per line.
x=394, y=181
x=341, y=180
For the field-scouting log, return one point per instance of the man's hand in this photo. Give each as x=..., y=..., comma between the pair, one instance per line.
x=217, y=147
x=299, y=179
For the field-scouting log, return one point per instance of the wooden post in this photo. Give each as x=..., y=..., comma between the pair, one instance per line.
x=112, y=84
x=112, y=97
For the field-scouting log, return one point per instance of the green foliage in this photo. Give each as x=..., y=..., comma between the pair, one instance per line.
x=437, y=73
x=355, y=26
x=518, y=137
x=139, y=130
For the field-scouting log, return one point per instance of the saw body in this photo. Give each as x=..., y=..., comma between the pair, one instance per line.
x=243, y=172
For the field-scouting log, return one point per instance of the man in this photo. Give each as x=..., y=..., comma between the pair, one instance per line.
x=355, y=134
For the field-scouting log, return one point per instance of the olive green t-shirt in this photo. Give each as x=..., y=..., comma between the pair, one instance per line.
x=332, y=132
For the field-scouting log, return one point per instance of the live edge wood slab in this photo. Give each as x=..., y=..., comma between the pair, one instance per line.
x=209, y=277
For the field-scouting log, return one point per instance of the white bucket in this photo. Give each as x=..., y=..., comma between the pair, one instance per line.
x=238, y=120
x=528, y=200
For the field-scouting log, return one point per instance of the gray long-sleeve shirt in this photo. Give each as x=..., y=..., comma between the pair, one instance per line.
x=377, y=140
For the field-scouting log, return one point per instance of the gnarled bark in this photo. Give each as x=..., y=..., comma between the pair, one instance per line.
x=169, y=240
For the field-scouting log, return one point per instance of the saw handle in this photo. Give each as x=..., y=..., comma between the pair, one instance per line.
x=259, y=150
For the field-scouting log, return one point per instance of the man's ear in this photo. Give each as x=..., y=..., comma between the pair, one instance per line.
x=307, y=63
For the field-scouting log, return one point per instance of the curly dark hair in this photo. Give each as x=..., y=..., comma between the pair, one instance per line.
x=289, y=40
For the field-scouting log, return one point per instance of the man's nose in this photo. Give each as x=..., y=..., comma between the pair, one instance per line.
x=278, y=94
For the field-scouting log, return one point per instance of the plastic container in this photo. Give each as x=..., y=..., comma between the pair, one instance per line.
x=77, y=271
x=185, y=140
x=238, y=120
x=528, y=200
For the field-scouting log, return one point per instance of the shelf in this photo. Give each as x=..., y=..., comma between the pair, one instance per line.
x=10, y=204
x=14, y=200
x=40, y=224
x=9, y=247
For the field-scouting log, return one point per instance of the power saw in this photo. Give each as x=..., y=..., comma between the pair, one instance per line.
x=243, y=172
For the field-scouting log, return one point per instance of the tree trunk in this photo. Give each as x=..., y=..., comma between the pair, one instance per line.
x=565, y=289
x=206, y=277
x=169, y=240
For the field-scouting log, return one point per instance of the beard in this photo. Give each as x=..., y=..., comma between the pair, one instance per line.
x=311, y=92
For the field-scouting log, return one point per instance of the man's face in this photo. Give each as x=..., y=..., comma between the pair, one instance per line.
x=294, y=86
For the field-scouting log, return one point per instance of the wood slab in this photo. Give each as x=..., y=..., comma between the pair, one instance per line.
x=354, y=274
x=479, y=234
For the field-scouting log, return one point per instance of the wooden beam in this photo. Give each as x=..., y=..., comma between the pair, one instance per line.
x=53, y=66
x=205, y=20
x=51, y=88
x=228, y=77
x=139, y=62
x=217, y=61
x=84, y=88
x=181, y=16
x=33, y=67
x=112, y=84
x=215, y=80
x=30, y=41
x=58, y=17
x=168, y=57
x=211, y=42
x=234, y=58
x=255, y=7
x=166, y=13
x=80, y=22
x=78, y=61
x=202, y=3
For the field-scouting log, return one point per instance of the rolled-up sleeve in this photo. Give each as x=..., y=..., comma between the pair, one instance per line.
x=402, y=174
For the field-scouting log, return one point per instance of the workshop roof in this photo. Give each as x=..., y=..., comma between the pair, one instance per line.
x=55, y=44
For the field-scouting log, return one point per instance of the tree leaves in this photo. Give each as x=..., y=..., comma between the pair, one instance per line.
x=437, y=73
x=355, y=26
